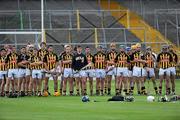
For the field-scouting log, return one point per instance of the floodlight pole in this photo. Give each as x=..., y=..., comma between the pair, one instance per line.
x=42, y=21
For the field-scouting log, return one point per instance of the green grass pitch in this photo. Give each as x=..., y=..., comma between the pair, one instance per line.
x=71, y=108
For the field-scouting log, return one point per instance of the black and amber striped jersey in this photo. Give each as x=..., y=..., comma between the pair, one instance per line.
x=23, y=57
x=100, y=60
x=11, y=60
x=3, y=66
x=150, y=60
x=122, y=60
x=90, y=59
x=111, y=57
x=30, y=54
x=36, y=59
x=50, y=60
x=64, y=57
x=135, y=57
x=131, y=64
x=164, y=59
x=42, y=53
x=174, y=59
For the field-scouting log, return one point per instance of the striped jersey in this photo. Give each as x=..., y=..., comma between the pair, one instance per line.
x=12, y=60
x=111, y=56
x=50, y=59
x=164, y=59
x=122, y=59
x=100, y=60
x=3, y=63
x=64, y=57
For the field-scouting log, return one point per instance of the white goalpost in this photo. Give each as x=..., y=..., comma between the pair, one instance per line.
x=38, y=35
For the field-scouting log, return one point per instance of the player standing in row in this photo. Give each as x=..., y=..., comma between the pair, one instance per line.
x=51, y=64
x=150, y=59
x=78, y=62
x=111, y=55
x=138, y=70
x=36, y=81
x=163, y=60
x=12, y=65
x=100, y=65
x=3, y=71
x=122, y=61
x=41, y=53
x=172, y=67
x=90, y=72
x=23, y=61
x=66, y=61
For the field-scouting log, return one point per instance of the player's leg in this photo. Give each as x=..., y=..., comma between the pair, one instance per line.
x=83, y=81
x=142, y=81
x=55, y=79
x=102, y=80
x=106, y=84
x=109, y=77
x=161, y=78
x=64, y=86
x=77, y=80
x=172, y=79
x=30, y=87
x=71, y=85
x=168, y=90
x=134, y=78
x=61, y=84
x=130, y=81
x=8, y=82
x=28, y=77
x=91, y=85
x=125, y=80
x=3, y=82
x=153, y=78
x=20, y=81
x=46, y=81
x=97, y=82
x=35, y=85
x=39, y=82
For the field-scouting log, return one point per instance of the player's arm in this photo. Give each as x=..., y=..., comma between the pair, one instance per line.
x=66, y=61
x=56, y=64
x=109, y=62
x=20, y=62
x=73, y=62
x=45, y=62
x=158, y=60
x=85, y=61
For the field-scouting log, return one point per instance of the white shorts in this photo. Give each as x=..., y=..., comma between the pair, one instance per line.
x=122, y=71
x=43, y=74
x=172, y=70
x=13, y=73
x=28, y=72
x=139, y=72
x=2, y=74
x=111, y=72
x=162, y=71
x=81, y=73
x=130, y=73
x=68, y=72
x=151, y=72
x=50, y=75
x=21, y=73
x=100, y=73
x=90, y=73
x=37, y=74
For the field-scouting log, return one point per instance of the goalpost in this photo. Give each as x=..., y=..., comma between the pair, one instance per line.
x=37, y=35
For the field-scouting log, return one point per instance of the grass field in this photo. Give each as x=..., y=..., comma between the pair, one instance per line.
x=71, y=108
